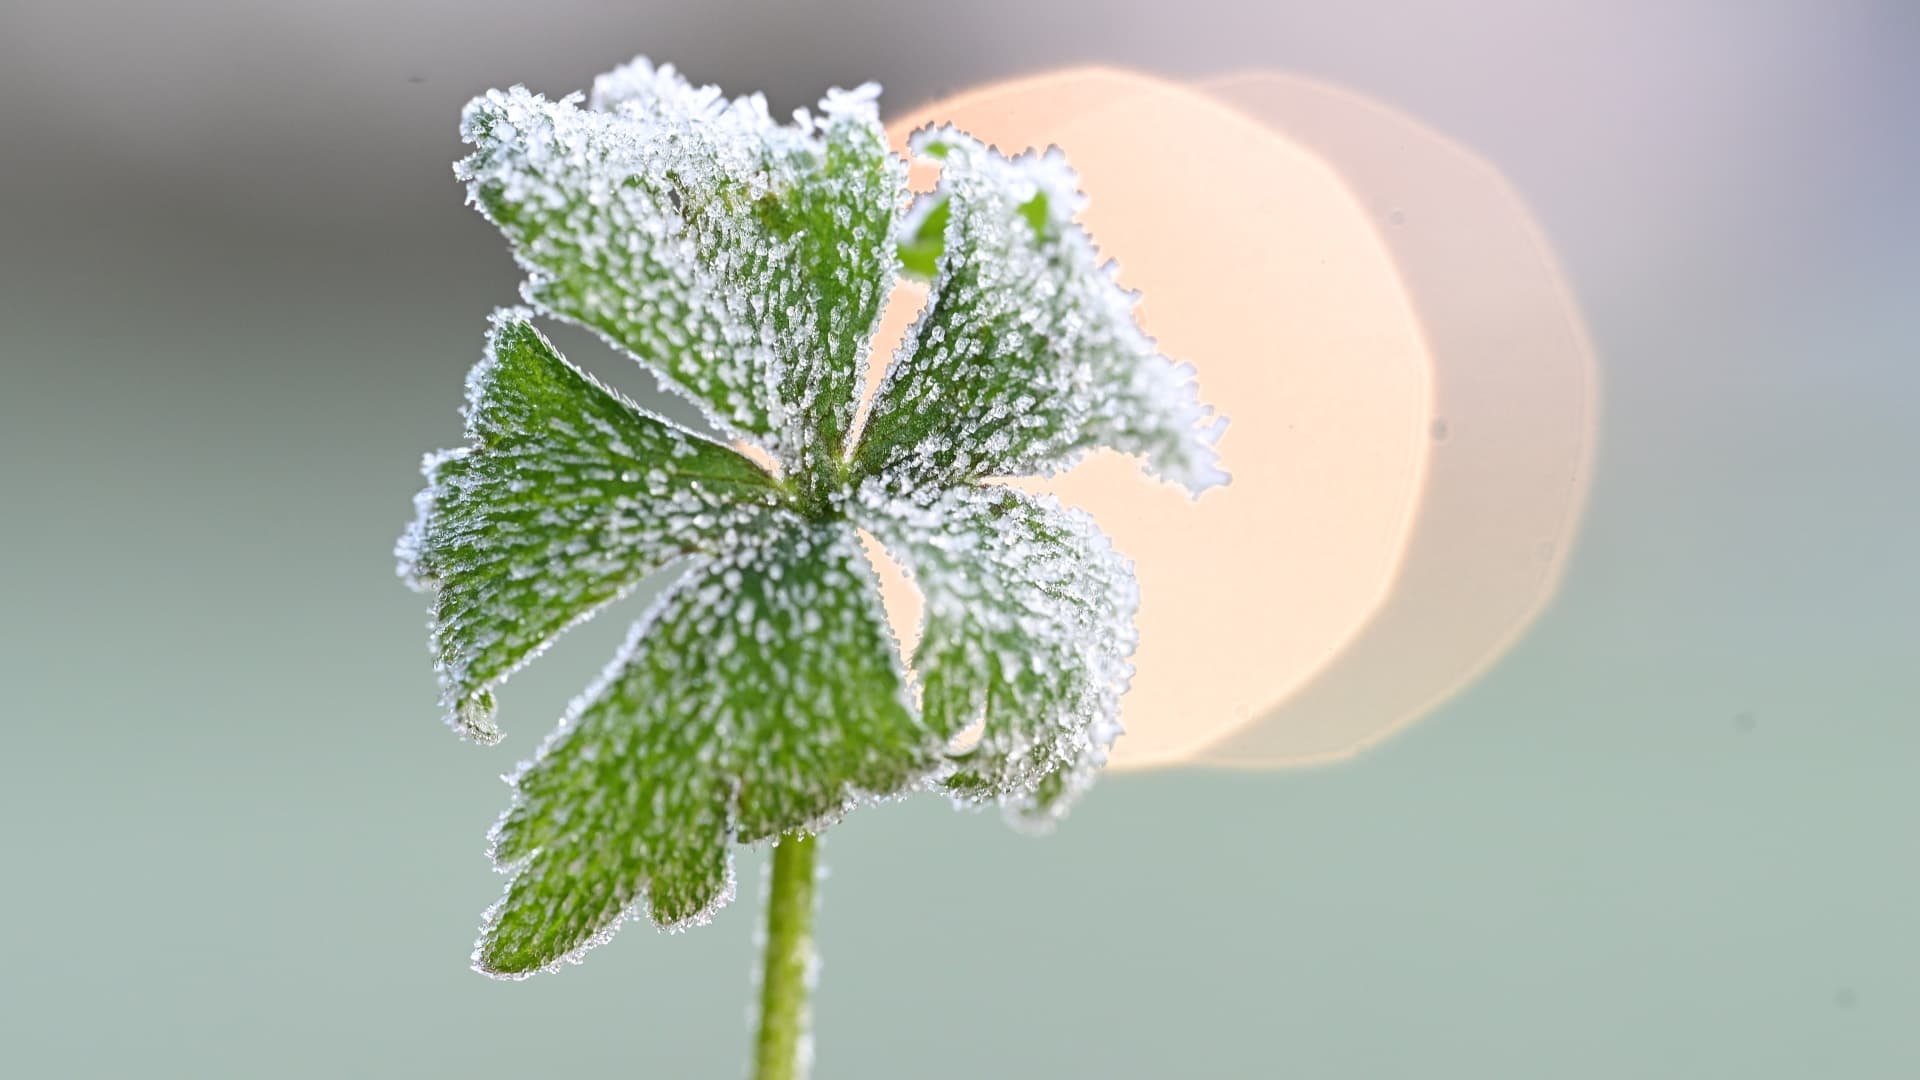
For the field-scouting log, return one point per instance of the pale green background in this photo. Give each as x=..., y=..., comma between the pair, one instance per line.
x=1672, y=834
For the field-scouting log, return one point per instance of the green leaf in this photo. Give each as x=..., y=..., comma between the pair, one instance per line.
x=1027, y=355
x=839, y=217
x=924, y=237
x=745, y=260
x=763, y=694
x=924, y=233
x=566, y=498
x=1028, y=623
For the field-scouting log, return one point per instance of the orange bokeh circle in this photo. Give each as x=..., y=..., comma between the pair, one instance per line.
x=1410, y=390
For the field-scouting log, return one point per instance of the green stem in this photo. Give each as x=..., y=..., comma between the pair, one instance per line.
x=789, y=960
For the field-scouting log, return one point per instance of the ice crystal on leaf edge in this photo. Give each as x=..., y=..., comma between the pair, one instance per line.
x=746, y=262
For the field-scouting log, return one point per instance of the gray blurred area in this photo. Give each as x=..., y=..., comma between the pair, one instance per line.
x=1670, y=835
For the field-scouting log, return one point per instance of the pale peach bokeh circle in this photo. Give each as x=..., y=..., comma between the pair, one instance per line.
x=1313, y=326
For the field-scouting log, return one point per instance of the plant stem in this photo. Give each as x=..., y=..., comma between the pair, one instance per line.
x=783, y=1044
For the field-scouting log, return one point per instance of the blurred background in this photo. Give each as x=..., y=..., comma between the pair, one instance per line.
x=1671, y=833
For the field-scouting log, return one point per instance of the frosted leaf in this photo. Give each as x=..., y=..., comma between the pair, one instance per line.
x=763, y=694
x=745, y=260
x=1028, y=354
x=1028, y=624
x=923, y=235
x=567, y=496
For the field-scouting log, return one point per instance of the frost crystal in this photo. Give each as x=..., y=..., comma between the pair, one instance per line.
x=568, y=496
x=745, y=262
x=1027, y=626
x=762, y=695
x=1028, y=354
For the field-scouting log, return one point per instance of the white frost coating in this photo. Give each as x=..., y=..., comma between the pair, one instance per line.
x=1027, y=624
x=578, y=954
x=702, y=733
x=763, y=693
x=567, y=498
x=745, y=260
x=1028, y=353
x=860, y=104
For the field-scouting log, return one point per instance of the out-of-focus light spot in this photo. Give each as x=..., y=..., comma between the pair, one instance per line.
x=1397, y=435
x=1515, y=402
